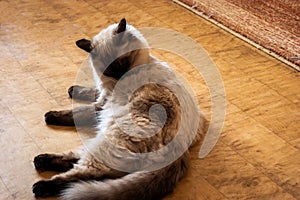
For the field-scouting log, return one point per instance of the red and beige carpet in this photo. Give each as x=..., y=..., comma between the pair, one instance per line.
x=273, y=24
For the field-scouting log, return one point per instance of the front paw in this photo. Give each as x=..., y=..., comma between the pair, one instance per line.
x=60, y=118
x=52, y=117
x=72, y=91
x=41, y=161
x=47, y=162
x=78, y=92
x=52, y=162
x=83, y=93
x=45, y=188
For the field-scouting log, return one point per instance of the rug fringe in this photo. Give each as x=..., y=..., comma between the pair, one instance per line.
x=251, y=42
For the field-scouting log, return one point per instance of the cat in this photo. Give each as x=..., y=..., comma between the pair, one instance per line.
x=143, y=130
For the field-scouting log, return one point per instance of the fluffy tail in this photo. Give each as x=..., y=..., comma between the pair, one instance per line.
x=138, y=185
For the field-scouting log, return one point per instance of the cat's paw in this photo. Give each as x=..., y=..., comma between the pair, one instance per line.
x=82, y=93
x=45, y=188
x=59, y=118
x=52, y=117
x=41, y=161
x=72, y=90
x=52, y=162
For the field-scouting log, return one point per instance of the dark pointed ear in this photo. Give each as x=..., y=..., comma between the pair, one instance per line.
x=121, y=26
x=85, y=45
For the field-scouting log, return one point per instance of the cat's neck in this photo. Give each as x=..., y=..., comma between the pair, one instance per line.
x=141, y=57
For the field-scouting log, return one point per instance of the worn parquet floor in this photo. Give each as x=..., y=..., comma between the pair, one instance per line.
x=257, y=156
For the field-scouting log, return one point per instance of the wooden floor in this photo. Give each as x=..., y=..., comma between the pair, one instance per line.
x=257, y=156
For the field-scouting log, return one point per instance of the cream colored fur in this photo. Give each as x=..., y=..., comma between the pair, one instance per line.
x=148, y=121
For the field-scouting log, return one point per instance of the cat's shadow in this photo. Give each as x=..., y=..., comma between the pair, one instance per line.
x=47, y=174
x=62, y=128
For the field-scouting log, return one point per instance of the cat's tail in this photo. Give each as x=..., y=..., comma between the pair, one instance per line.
x=138, y=185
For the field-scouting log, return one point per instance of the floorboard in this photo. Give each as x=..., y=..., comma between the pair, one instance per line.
x=257, y=155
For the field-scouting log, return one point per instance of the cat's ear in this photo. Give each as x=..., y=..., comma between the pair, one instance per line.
x=121, y=26
x=85, y=45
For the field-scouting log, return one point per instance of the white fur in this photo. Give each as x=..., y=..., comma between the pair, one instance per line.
x=108, y=148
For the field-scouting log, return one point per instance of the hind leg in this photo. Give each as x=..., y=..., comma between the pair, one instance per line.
x=54, y=186
x=55, y=162
x=83, y=93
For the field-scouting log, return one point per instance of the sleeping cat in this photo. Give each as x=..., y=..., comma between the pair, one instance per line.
x=147, y=120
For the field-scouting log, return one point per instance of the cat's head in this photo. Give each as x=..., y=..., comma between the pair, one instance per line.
x=113, y=49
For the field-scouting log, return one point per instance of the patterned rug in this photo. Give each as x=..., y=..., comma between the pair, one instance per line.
x=273, y=24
